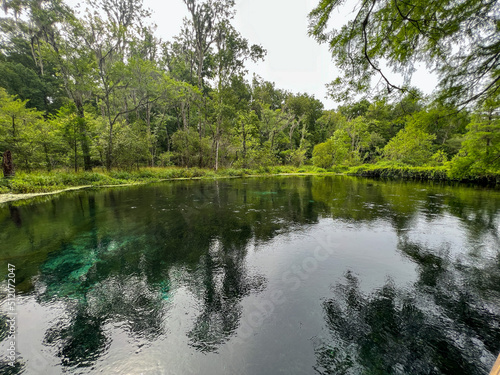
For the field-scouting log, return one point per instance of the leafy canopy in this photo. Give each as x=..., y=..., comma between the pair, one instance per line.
x=458, y=40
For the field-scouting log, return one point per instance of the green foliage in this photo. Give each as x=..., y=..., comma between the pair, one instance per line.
x=98, y=89
x=165, y=159
x=480, y=153
x=407, y=33
x=323, y=154
x=341, y=144
x=411, y=146
x=400, y=171
x=188, y=148
x=439, y=158
x=130, y=149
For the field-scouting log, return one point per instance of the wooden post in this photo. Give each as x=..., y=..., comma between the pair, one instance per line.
x=8, y=165
x=496, y=367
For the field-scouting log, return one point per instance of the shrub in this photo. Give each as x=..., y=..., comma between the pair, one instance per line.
x=410, y=146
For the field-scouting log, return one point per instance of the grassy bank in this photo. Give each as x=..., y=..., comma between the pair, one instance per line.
x=44, y=182
x=439, y=173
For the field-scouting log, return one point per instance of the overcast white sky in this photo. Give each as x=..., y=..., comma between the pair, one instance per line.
x=294, y=61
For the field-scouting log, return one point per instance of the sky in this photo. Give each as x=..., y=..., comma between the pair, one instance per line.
x=295, y=62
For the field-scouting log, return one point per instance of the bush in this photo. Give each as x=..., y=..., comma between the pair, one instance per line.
x=410, y=146
x=323, y=154
x=165, y=159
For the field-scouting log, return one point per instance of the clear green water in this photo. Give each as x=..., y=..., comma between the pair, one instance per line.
x=292, y=275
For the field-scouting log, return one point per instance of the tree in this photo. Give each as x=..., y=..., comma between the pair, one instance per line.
x=307, y=110
x=264, y=92
x=18, y=129
x=109, y=38
x=54, y=37
x=411, y=146
x=232, y=51
x=203, y=29
x=326, y=125
x=480, y=153
x=459, y=40
x=323, y=154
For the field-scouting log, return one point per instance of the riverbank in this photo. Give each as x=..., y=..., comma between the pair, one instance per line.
x=30, y=185
x=435, y=173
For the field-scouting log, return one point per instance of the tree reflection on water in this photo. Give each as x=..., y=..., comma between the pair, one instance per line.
x=442, y=324
x=112, y=262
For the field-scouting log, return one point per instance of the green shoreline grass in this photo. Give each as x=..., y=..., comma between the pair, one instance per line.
x=46, y=182
x=435, y=173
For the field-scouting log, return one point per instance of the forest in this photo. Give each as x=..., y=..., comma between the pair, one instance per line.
x=96, y=89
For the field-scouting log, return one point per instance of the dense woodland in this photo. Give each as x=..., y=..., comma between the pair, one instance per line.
x=98, y=88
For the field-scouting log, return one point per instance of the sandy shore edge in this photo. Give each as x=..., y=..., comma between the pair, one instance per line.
x=9, y=197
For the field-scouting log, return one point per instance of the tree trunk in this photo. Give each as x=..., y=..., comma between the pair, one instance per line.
x=217, y=155
x=183, y=115
x=110, y=148
x=82, y=127
x=76, y=156
x=150, y=137
x=47, y=157
x=244, y=136
x=8, y=165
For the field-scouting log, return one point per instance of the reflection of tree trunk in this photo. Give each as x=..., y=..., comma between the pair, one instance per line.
x=93, y=221
x=15, y=215
x=8, y=165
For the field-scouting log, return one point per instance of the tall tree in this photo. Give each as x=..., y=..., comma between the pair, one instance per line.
x=232, y=51
x=206, y=20
x=109, y=38
x=52, y=30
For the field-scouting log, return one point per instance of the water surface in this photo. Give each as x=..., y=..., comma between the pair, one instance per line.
x=291, y=275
